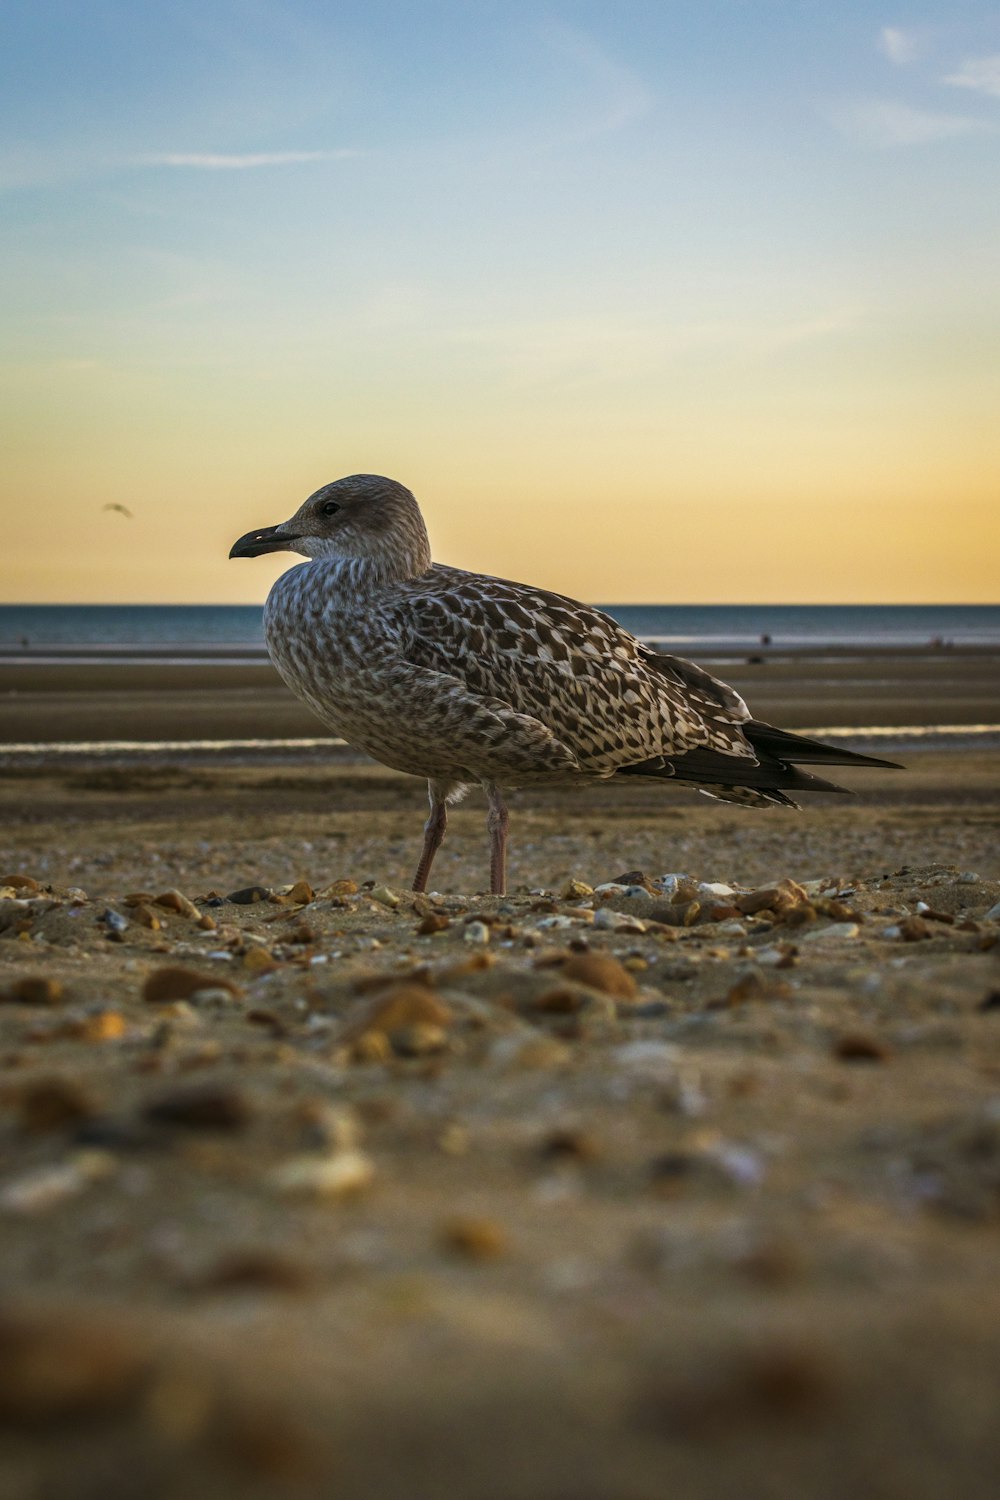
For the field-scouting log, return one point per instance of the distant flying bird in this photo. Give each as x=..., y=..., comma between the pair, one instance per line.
x=463, y=678
x=122, y=509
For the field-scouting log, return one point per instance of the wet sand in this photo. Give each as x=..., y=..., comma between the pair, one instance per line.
x=592, y=1193
x=158, y=699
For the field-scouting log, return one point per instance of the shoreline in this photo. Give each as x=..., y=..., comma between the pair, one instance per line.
x=160, y=700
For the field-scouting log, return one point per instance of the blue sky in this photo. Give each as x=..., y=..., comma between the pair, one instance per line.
x=620, y=275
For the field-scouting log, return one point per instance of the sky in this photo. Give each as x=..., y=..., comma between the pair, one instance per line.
x=665, y=301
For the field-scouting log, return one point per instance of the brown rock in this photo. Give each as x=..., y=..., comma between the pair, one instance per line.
x=560, y=1000
x=172, y=982
x=433, y=921
x=601, y=971
x=860, y=1046
x=53, y=1103
x=174, y=900
x=55, y=1366
x=34, y=989
x=205, y=1106
x=25, y=883
x=104, y=1025
x=419, y=1040
x=255, y=1271
x=400, y=1006
x=302, y=893
x=568, y=1143
x=476, y=1239
x=146, y=917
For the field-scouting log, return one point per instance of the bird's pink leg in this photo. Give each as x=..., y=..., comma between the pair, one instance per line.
x=497, y=820
x=433, y=834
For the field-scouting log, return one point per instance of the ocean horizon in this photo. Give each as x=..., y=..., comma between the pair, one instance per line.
x=715, y=627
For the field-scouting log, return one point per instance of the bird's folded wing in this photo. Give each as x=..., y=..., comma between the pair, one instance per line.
x=436, y=711
x=568, y=668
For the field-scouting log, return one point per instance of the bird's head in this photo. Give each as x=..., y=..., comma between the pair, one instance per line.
x=363, y=518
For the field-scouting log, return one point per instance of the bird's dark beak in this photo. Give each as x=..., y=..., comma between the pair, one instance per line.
x=265, y=539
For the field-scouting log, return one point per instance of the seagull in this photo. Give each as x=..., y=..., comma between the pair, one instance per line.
x=122, y=510
x=466, y=679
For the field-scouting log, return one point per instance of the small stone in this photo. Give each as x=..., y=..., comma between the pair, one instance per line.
x=618, y=921
x=339, y=889
x=301, y=893
x=384, y=896
x=993, y=915
x=915, y=929
x=172, y=982
x=53, y=1103
x=43, y=1188
x=146, y=917
x=102, y=1025
x=174, y=900
x=860, y=1046
x=474, y=1238
x=259, y=961
x=418, y=1041
x=569, y=1143
x=577, y=889
x=114, y=921
x=337, y=1176
x=204, y=1106
x=399, y=1006
x=254, y=1271
x=55, y=1365
x=991, y=1001
x=560, y=1000
x=34, y=989
x=249, y=895
x=25, y=884
x=476, y=932
x=432, y=922
x=832, y=933
x=601, y=971
x=968, y=877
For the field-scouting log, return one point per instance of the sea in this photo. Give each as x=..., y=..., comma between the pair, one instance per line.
x=224, y=631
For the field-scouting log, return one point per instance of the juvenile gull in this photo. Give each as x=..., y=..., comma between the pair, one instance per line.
x=463, y=678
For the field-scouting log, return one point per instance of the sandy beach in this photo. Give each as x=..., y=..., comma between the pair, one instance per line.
x=617, y=1187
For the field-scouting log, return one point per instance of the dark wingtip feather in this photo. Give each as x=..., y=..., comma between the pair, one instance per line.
x=782, y=743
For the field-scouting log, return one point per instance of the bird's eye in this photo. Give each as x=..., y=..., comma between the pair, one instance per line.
x=329, y=508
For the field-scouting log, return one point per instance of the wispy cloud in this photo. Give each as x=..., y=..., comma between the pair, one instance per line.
x=900, y=47
x=979, y=73
x=209, y=161
x=620, y=96
x=886, y=123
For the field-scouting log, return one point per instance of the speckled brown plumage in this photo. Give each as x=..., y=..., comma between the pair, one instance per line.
x=464, y=679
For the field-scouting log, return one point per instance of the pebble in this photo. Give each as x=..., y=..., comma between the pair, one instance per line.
x=34, y=989
x=399, y=1006
x=474, y=1238
x=600, y=971
x=172, y=982
x=249, y=895
x=43, y=1188
x=202, y=1106
x=421, y=1040
x=113, y=920
x=617, y=921
x=55, y=1365
x=993, y=915
x=52, y=1103
x=832, y=932
x=337, y=1176
x=174, y=900
x=476, y=932
x=860, y=1046
x=384, y=896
